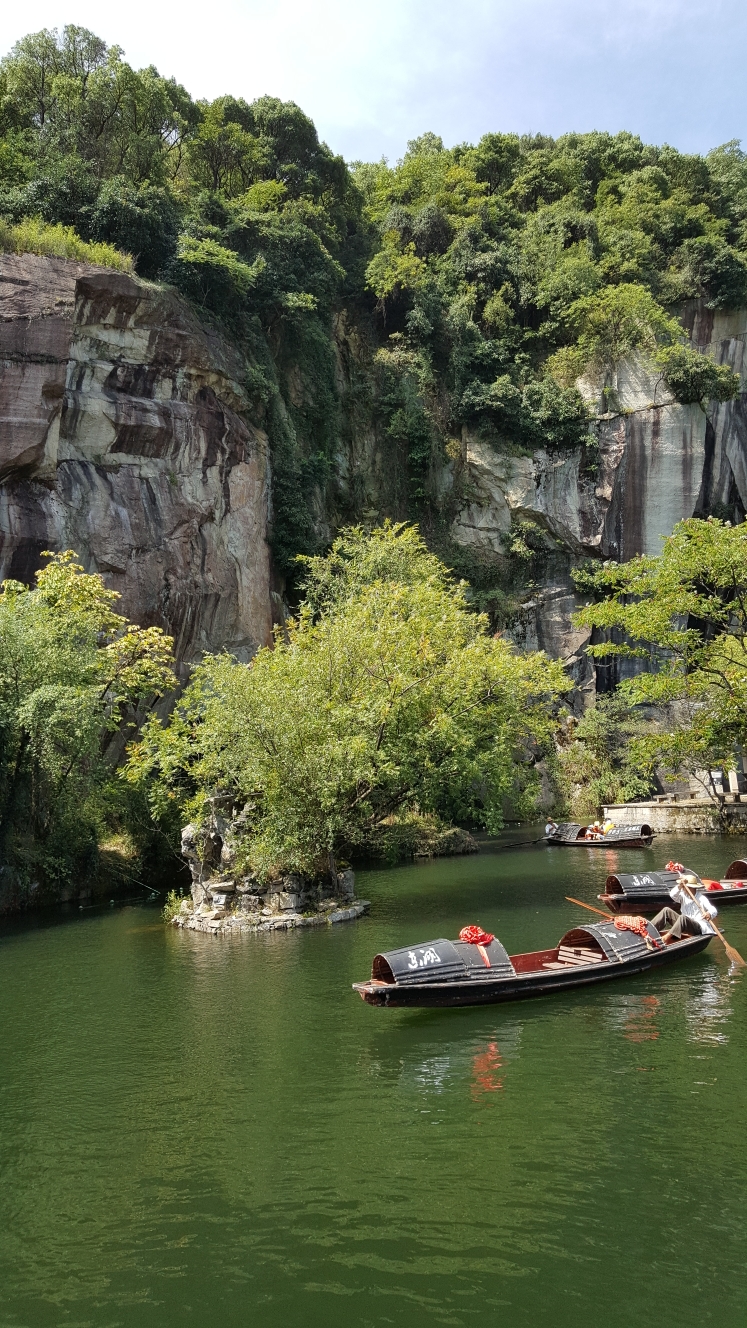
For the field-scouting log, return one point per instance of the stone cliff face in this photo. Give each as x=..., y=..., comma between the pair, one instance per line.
x=658, y=462
x=124, y=435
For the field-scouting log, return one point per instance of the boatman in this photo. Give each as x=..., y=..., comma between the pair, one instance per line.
x=694, y=914
x=551, y=829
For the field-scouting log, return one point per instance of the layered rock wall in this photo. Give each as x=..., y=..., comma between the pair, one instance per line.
x=124, y=434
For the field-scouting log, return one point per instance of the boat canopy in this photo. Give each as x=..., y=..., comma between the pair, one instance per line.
x=641, y=883
x=617, y=945
x=737, y=871
x=443, y=961
x=570, y=831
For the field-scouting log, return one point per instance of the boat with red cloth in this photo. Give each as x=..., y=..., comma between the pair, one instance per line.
x=645, y=892
x=477, y=969
x=572, y=835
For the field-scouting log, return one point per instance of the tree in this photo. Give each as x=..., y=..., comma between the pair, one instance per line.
x=84, y=112
x=684, y=614
x=385, y=698
x=611, y=323
x=69, y=665
x=601, y=763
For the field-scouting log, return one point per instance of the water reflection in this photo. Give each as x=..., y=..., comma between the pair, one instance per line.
x=485, y=1067
x=640, y=1024
x=464, y=1061
x=708, y=1009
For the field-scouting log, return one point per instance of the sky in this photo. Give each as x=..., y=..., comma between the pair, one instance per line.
x=373, y=75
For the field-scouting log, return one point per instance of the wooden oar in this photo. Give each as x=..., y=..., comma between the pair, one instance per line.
x=733, y=954
x=591, y=908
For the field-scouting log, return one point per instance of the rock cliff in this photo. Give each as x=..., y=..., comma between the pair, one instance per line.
x=124, y=434
x=655, y=462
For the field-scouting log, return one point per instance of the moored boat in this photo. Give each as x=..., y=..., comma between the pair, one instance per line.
x=458, y=973
x=572, y=835
x=644, y=892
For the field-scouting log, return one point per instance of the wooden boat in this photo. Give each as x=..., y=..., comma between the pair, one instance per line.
x=732, y=888
x=645, y=892
x=571, y=835
x=445, y=973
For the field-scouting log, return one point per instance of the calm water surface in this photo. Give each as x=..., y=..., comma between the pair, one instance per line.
x=210, y=1132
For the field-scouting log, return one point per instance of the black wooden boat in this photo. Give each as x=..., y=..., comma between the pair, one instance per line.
x=445, y=973
x=645, y=892
x=571, y=835
x=732, y=888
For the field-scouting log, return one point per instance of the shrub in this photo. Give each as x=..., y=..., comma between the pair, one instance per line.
x=34, y=236
x=693, y=377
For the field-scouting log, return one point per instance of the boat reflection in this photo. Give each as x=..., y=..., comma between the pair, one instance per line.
x=480, y=1064
x=485, y=1067
x=640, y=1024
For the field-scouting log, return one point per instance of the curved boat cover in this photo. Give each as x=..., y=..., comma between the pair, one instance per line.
x=445, y=961
x=617, y=945
x=641, y=883
x=737, y=871
x=569, y=832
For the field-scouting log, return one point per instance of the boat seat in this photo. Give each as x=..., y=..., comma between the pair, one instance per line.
x=575, y=957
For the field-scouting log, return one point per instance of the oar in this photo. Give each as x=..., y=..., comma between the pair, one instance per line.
x=733, y=954
x=590, y=907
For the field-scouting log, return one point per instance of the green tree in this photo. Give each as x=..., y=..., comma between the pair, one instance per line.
x=600, y=758
x=385, y=698
x=69, y=666
x=683, y=614
x=613, y=322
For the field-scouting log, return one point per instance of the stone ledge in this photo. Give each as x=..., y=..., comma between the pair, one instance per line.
x=688, y=816
x=232, y=924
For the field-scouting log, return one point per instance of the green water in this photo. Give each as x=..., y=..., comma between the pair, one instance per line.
x=210, y=1132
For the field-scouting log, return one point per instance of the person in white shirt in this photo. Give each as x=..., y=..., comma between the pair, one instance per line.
x=694, y=914
x=550, y=829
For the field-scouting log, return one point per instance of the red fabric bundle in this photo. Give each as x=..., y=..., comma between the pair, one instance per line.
x=475, y=936
x=712, y=885
x=675, y=866
x=627, y=923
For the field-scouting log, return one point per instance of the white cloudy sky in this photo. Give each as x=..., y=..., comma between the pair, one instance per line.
x=373, y=75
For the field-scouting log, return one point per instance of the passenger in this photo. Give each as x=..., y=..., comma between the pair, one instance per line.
x=608, y=825
x=693, y=916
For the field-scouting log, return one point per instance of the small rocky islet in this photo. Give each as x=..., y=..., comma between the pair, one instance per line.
x=224, y=901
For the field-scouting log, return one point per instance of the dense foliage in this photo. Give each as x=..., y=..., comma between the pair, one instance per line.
x=462, y=291
x=490, y=277
x=600, y=758
x=69, y=666
x=386, y=698
x=683, y=615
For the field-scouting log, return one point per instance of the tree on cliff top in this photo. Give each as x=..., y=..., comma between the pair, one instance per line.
x=69, y=664
x=684, y=614
x=386, y=697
